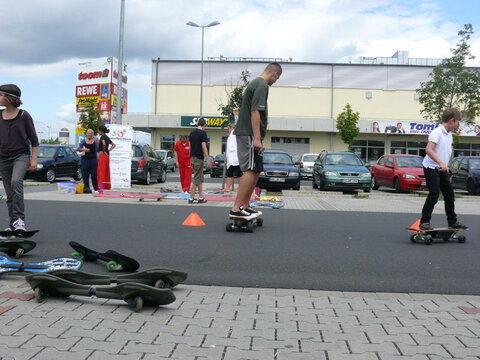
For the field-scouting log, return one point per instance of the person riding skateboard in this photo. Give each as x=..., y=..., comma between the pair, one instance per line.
x=250, y=131
x=437, y=173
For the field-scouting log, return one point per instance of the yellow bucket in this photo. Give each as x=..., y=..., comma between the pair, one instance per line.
x=79, y=188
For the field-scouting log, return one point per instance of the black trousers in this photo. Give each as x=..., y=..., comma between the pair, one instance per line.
x=437, y=181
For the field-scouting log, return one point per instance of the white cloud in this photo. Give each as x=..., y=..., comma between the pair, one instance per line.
x=67, y=112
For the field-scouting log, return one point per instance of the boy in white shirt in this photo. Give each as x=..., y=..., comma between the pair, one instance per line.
x=437, y=173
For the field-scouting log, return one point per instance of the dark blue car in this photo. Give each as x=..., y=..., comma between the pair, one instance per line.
x=279, y=171
x=466, y=173
x=54, y=161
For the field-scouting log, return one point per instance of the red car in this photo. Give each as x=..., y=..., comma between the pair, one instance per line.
x=402, y=172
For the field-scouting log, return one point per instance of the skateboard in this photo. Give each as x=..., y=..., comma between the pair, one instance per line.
x=16, y=246
x=115, y=261
x=134, y=294
x=244, y=225
x=25, y=234
x=7, y=265
x=445, y=234
x=141, y=196
x=159, y=278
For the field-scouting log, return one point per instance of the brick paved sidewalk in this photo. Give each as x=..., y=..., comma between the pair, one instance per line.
x=240, y=323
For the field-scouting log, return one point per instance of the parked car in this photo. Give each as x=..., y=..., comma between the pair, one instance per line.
x=147, y=165
x=399, y=171
x=54, y=161
x=340, y=171
x=205, y=169
x=217, y=166
x=305, y=165
x=279, y=171
x=168, y=157
x=466, y=173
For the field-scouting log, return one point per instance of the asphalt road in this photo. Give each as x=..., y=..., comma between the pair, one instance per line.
x=294, y=249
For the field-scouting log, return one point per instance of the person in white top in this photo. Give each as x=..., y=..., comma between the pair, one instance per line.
x=233, y=167
x=437, y=173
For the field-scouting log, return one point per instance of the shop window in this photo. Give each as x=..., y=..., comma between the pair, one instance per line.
x=167, y=142
x=290, y=140
x=369, y=150
x=224, y=144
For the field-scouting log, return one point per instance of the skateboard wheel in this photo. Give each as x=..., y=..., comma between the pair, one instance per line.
x=428, y=240
x=229, y=227
x=259, y=222
x=161, y=284
x=413, y=238
x=39, y=294
x=112, y=266
x=249, y=227
x=136, y=303
x=19, y=252
x=76, y=254
x=462, y=239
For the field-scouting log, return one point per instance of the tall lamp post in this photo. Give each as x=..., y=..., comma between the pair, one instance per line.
x=190, y=23
x=118, y=120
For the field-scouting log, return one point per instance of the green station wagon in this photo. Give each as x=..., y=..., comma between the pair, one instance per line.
x=340, y=171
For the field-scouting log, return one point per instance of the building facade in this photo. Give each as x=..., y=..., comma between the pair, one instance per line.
x=303, y=105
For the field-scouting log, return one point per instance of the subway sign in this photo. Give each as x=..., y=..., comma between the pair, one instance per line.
x=212, y=121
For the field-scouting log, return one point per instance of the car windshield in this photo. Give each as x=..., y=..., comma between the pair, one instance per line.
x=162, y=154
x=474, y=164
x=277, y=158
x=343, y=159
x=219, y=157
x=46, y=151
x=409, y=161
x=310, y=158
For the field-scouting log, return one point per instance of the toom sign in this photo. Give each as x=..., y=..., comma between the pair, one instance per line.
x=93, y=74
x=212, y=121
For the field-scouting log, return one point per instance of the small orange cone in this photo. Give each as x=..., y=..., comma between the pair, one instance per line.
x=415, y=225
x=193, y=220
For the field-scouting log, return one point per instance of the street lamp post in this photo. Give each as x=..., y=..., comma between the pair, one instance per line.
x=120, y=64
x=190, y=23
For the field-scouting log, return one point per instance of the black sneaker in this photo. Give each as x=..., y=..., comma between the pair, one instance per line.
x=201, y=201
x=87, y=191
x=425, y=226
x=241, y=215
x=253, y=211
x=191, y=201
x=457, y=225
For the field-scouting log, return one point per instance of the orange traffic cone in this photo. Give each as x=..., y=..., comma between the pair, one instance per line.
x=193, y=220
x=415, y=225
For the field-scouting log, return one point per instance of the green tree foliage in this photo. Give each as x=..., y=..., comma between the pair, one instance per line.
x=347, y=122
x=452, y=85
x=234, y=96
x=50, y=141
x=90, y=119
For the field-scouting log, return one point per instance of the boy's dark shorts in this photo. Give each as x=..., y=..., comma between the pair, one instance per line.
x=234, y=171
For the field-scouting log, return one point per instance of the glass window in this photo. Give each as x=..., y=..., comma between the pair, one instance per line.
x=290, y=140
x=474, y=164
x=409, y=161
x=224, y=144
x=360, y=143
x=382, y=160
x=136, y=151
x=390, y=161
x=167, y=142
x=369, y=150
x=455, y=164
x=399, y=144
x=69, y=151
x=61, y=152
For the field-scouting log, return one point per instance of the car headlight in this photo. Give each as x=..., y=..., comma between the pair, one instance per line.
x=293, y=173
x=330, y=173
x=408, y=176
x=262, y=173
x=366, y=175
x=39, y=166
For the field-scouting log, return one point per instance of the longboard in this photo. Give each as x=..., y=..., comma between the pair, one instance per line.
x=18, y=233
x=160, y=278
x=7, y=265
x=141, y=196
x=445, y=234
x=16, y=246
x=134, y=294
x=244, y=225
x=115, y=261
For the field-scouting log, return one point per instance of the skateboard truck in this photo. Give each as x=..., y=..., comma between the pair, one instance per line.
x=244, y=225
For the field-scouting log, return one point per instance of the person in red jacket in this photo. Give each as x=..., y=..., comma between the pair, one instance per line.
x=182, y=159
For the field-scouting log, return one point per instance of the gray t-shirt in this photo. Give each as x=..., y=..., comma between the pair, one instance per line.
x=254, y=98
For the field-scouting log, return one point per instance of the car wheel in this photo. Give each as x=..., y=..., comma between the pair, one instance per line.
x=320, y=185
x=51, y=175
x=375, y=186
x=470, y=187
x=78, y=175
x=297, y=187
x=148, y=178
x=396, y=185
x=314, y=184
x=163, y=178
x=173, y=168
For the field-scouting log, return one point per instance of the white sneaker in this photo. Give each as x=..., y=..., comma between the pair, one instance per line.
x=19, y=224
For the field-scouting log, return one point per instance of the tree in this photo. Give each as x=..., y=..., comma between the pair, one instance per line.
x=50, y=141
x=235, y=97
x=90, y=118
x=451, y=85
x=347, y=122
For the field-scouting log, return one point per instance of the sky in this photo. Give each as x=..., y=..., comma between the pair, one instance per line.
x=42, y=42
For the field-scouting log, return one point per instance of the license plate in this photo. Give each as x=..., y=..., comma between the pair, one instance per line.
x=350, y=181
x=424, y=183
x=277, y=179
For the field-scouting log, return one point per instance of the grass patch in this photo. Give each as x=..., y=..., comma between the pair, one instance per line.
x=273, y=193
x=360, y=196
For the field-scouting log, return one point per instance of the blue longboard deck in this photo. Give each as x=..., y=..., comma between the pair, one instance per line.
x=7, y=265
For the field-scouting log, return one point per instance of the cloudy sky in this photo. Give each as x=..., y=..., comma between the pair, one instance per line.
x=42, y=42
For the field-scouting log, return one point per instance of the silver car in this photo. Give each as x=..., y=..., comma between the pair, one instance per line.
x=168, y=158
x=305, y=165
